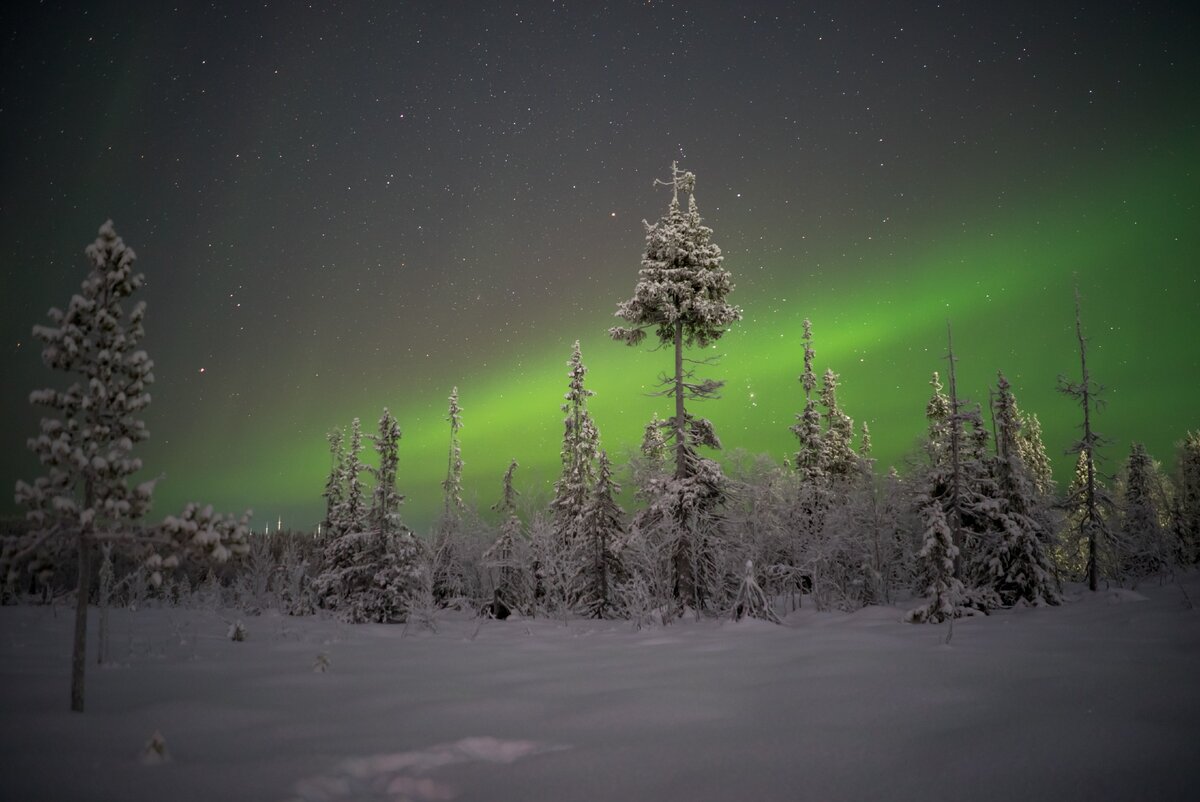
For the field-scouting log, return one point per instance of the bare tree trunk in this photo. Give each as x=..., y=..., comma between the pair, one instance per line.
x=1091, y=515
x=79, y=650
x=955, y=424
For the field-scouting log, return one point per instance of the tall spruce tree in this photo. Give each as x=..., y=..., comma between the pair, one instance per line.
x=810, y=456
x=335, y=486
x=840, y=459
x=600, y=533
x=386, y=499
x=372, y=566
x=87, y=445
x=1018, y=568
x=578, y=455
x=449, y=576
x=353, y=514
x=681, y=296
x=508, y=591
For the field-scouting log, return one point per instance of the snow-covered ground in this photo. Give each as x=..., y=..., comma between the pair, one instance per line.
x=1097, y=700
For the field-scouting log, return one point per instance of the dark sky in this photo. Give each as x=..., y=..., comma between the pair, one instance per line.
x=340, y=207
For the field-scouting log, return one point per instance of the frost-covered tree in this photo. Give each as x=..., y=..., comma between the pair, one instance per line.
x=449, y=576
x=579, y=446
x=506, y=558
x=386, y=500
x=1033, y=455
x=840, y=460
x=650, y=461
x=335, y=485
x=452, y=502
x=86, y=444
x=681, y=296
x=1092, y=527
x=1139, y=538
x=1071, y=553
x=958, y=477
x=1017, y=567
x=1186, y=512
x=810, y=456
x=938, y=553
x=373, y=566
x=600, y=532
x=937, y=413
x=353, y=514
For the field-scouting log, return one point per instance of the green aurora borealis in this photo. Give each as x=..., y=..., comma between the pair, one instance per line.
x=345, y=207
x=1004, y=282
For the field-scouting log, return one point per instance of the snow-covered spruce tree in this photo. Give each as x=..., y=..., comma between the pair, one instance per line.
x=401, y=578
x=335, y=485
x=1018, y=569
x=353, y=514
x=1186, y=511
x=505, y=559
x=937, y=413
x=812, y=486
x=86, y=445
x=372, y=563
x=1092, y=527
x=384, y=515
x=1139, y=541
x=600, y=532
x=449, y=576
x=1033, y=455
x=681, y=296
x=810, y=456
x=650, y=461
x=840, y=460
x=574, y=486
x=834, y=501
x=958, y=478
x=938, y=552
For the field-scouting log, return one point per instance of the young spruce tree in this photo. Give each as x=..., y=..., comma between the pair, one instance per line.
x=87, y=445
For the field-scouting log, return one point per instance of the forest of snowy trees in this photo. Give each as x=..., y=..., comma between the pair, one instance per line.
x=974, y=522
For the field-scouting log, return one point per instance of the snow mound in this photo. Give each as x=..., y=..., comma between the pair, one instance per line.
x=389, y=776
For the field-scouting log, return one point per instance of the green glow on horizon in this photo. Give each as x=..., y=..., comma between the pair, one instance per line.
x=1004, y=281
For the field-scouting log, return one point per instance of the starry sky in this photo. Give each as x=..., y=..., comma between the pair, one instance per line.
x=345, y=206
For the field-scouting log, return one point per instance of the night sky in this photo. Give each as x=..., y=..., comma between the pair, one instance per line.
x=344, y=206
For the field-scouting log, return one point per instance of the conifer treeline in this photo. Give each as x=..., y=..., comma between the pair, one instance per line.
x=975, y=525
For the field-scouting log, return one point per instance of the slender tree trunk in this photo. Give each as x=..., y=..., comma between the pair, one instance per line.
x=685, y=578
x=681, y=468
x=79, y=651
x=956, y=481
x=1091, y=515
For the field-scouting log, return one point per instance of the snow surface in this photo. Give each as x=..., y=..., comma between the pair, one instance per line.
x=1097, y=700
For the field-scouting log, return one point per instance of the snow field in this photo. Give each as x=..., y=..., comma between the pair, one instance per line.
x=1098, y=699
